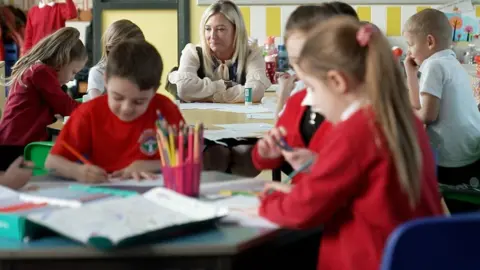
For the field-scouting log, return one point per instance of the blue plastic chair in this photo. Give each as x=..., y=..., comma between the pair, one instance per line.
x=440, y=243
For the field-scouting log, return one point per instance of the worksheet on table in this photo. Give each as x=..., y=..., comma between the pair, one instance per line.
x=235, y=108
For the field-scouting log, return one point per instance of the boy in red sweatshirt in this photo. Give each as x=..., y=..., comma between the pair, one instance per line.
x=117, y=132
x=46, y=18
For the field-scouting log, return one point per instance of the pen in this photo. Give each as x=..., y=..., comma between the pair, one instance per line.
x=288, y=180
x=302, y=168
x=284, y=145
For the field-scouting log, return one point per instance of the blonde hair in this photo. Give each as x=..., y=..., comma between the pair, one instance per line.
x=333, y=45
x=56, y=50
x=431, y=22
x=119, y=31
x=232, y=14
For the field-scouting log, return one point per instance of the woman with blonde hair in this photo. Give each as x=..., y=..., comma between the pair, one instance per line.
x=224, y=64
x=218, y=71
x=116, y=33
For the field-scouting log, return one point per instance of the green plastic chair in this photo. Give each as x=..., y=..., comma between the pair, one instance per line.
x=37, y=152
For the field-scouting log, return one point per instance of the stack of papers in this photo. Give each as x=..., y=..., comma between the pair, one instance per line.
x=241, y=207
x=247, y=130
x=266, y=116
x=235, y=108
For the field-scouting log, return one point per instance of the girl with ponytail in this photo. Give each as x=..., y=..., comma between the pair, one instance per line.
x=375, y=169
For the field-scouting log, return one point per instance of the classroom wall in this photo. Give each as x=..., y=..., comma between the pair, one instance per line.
x=263, y=21
x=153, y=24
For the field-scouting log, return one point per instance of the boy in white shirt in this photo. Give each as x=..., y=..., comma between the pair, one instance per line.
x=443, y=99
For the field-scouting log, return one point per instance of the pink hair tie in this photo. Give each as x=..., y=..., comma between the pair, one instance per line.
x=364, y=34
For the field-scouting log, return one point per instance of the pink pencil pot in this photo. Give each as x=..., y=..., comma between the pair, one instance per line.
x=184, y=179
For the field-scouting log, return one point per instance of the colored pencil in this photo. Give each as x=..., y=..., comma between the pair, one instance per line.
x=302, y=168
x=172, y=146
x=196, y=146
x=190, y=144
x=200, y=141
x=180, y=171
x=164, y=147
x=160, y=150
x=75, y=153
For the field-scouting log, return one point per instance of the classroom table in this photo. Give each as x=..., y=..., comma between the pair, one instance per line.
x=223, y=246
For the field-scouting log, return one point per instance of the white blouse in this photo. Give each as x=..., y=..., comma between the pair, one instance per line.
x=191, y=88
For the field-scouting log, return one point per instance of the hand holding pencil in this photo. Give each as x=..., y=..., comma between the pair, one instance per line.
x=270, y=146
x=86, y=173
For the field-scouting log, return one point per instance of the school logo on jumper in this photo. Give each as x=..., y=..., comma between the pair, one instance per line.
x=148, y=142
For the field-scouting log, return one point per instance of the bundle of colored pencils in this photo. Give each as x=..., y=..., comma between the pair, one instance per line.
x=179, y=145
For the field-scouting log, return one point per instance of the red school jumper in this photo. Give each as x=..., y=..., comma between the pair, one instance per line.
x=43, y=21
x=291, y=120
x=31, y=107
x=355, y=194
x=110, y=143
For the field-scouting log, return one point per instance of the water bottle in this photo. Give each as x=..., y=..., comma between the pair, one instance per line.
x=282, y=64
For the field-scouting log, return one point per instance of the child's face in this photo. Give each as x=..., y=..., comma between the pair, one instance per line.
x=125, y=99
x=67, y=73
x=419, y=47
x=295, y=43
x=328, y=94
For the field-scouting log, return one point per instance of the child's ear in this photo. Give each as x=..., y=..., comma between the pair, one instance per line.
x=431, y=42
x=337, y=81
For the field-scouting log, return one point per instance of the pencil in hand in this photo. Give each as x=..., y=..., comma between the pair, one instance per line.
x=75, y=153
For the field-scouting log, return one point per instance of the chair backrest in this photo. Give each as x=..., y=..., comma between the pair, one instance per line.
x=37, y=152
x=438, y=243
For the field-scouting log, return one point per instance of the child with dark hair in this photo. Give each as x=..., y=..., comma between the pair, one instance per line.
x=117, y=132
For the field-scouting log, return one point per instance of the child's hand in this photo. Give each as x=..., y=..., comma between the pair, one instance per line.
x=298, y=157
x=138, y=170
x=268, y=146
x=410, y=65
x=286, y=84
x=276, y=186
x=91, y=174
x=15, y=177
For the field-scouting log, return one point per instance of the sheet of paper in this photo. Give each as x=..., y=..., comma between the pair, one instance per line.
x=133, y=182
x=269, y=116
x=7, y=193
x=272, y=88
x=237, y=205
x=193, y=208
x=215, y=135
x=235, y=108
x=247, y=184
x=251, y=127
x=115, y=219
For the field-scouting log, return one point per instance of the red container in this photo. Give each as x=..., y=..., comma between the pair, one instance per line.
x=184, y=179
x=271, y=68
